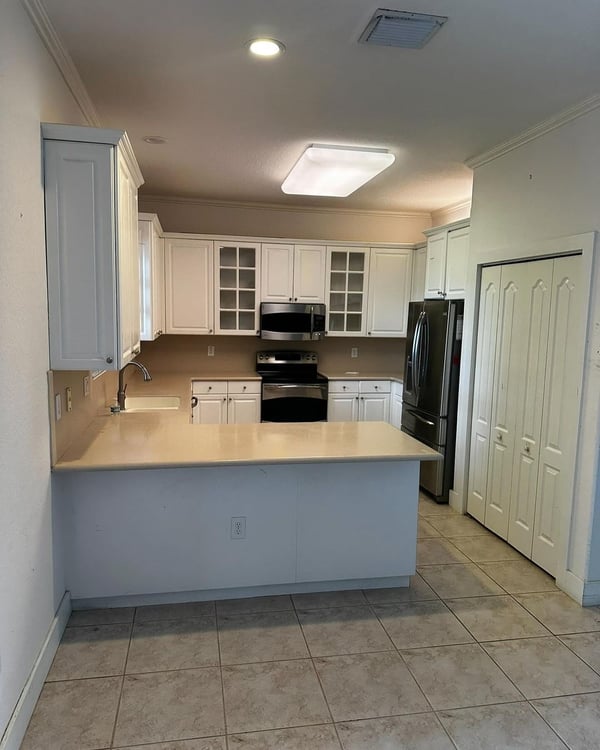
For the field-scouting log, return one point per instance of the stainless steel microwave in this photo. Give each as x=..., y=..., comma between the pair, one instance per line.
x=293, y=321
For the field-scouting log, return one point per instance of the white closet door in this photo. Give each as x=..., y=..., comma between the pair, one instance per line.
x=537, y=284
x=560, y=416
x=482, y=392
x=509, y=354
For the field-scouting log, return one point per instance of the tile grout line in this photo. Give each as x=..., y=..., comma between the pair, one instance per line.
x=114, y=730
x=316, y=671
x=221, y=677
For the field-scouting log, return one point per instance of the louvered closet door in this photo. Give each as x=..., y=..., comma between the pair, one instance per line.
x=560, y=415
x=483, y=389
x=510, y=351
x=536, y=279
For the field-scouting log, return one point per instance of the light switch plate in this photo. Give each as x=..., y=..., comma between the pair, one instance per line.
x=57, y=407
x=69, y=399
x=211, y=351
x=86, y=386
x=354, y=352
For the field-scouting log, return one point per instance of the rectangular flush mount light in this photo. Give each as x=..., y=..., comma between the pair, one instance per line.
x=335, y=170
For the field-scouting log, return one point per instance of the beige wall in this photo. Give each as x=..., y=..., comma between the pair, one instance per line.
x=181, y=215
x=31, y=576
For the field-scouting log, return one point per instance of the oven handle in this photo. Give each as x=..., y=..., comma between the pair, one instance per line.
x=282, y=390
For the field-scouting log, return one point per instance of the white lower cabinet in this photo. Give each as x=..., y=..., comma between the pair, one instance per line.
x=358, y=401
x=225, y=402
x=526, y=402
x=396, y=404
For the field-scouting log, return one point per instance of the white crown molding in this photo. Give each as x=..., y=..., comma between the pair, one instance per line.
x=546, y=126
x=63, y=60
x=146, y=198
x=450, y=211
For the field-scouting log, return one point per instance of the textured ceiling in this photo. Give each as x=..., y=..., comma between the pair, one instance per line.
x=236, y=125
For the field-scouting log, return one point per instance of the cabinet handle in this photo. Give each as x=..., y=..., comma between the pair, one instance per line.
x=244, y=388
x=224, y=398
x=527, y=449
x=357, y=398
x=343, y=387
x=109, y=360
x=369, y=333
x=376, y=387
x=210, y=387
x=230, y=398
x=210, y=330
x=289, y=299
x=194, y=401
x=362, y=398
x=500, y=437
x=295, y=299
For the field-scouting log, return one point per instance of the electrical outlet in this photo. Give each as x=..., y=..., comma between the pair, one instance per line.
x=238, y=527
x=86, y=386
x=69, y=399
x=57, y=407
x=211, y=351
x=354, y=352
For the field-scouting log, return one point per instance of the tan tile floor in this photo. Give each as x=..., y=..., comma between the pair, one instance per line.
x=482, y=652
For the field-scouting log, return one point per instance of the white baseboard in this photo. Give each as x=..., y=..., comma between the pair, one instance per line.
x=571, y=585
x=17, y=726
x=591, y=593
x=140, y=600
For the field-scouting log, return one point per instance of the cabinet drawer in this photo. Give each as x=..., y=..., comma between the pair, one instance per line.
x=375, y=386
x=244, y=386
x=201, y=387
x=343, y=386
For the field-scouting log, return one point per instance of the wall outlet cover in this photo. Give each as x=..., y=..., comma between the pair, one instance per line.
x=238, y=527
x=354, y=352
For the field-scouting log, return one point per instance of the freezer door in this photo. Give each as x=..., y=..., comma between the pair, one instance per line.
x=409, y=394
x=435, y=339
x=424, y=427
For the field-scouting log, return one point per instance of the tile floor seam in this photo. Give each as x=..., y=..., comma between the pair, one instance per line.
x=316, y=671
x=566, y=645
x=114, y=729
x=221, y=678
x=565, y=743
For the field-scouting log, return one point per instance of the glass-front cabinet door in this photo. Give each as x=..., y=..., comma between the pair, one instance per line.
x=236, y=291
x=347, y=284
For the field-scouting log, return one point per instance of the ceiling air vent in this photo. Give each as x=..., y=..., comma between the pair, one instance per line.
x=397, y=28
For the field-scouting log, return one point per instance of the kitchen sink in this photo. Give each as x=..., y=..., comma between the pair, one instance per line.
x=150, y=403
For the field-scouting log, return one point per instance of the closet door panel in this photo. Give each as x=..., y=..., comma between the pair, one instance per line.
x=504, y=403
x=482, y=391
x=537, y=284
x=561, y=409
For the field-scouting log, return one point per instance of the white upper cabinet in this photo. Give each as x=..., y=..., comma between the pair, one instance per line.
x=446, y=265
x=293, y=273
x=347, y=287
x=152, y=282
x=419, y=266
x=389, y=291
x=91, y=180
x=237, y=274
x=188, y=285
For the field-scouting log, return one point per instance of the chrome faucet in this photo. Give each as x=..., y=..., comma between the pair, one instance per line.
x=123, y=388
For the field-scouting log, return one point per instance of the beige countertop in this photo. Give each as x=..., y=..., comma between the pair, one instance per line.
x=151, y=440
x=360, y=375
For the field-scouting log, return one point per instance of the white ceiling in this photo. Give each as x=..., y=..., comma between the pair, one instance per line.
x=236, y=125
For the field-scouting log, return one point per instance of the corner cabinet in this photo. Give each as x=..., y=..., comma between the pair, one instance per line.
x=152, y=282
x=446, y=263
x=389, y=291
x=91, y=178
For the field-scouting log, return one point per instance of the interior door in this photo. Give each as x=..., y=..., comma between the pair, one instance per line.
x=483, y=391
x=560, y=417
x=537, y=281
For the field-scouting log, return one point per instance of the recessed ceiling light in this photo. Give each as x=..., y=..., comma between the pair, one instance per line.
x=335, y=170
x=155, y=140
x=266, y=47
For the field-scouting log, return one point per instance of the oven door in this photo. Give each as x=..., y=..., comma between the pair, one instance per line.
x=294, y=402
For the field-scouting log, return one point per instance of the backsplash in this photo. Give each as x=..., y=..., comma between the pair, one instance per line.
x=189, y=354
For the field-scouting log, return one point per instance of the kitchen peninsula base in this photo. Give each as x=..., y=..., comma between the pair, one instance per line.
x=141, y=536
x=148, y=508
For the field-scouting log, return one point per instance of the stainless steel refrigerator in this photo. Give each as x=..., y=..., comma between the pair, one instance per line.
x=430, y=395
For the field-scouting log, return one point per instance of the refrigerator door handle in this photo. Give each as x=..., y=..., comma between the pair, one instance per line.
x=425, y=421
x=416, y=355
x=424, y=347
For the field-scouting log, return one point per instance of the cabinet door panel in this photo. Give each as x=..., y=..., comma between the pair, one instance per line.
x=189, y=288
x=210, y=410
x=243, y=409
x=435, y=271
x=374, y=408
x=483, y=391
x=347, y=286
x=419, y=264
x=560, y=411
x=389, y=292
x=342, y=408
x=309, y=273
x=277, y=273
x=456, y=263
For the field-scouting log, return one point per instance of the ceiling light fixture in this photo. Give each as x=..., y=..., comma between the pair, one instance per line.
x=154, y=140
x=335, y=170
x=266, y=47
